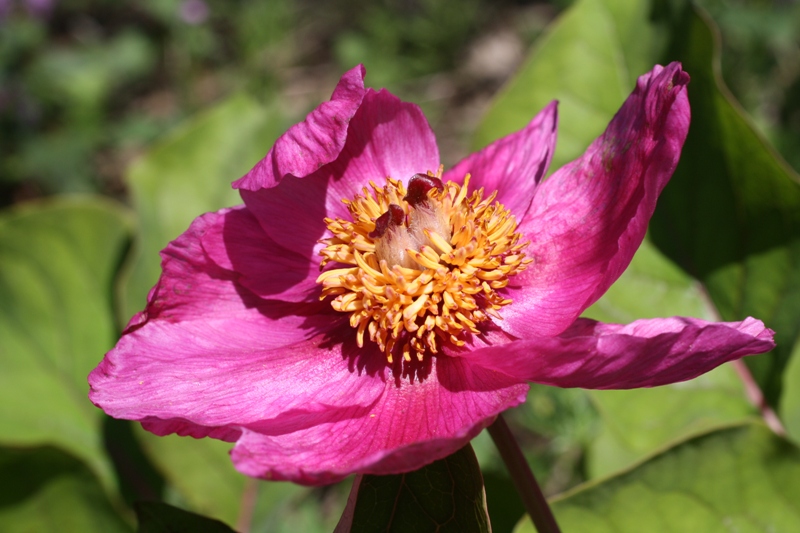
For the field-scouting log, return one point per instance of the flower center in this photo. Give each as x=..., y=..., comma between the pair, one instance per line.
x=424, y=264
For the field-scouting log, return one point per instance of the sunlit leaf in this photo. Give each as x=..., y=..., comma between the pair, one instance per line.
x=58, y=261
x=737, y=479
x=790, y=402
x=638, y=422
x=446, y=495
x=45, y=489
x=588, y=60
x=189, y=174
x=731, y=214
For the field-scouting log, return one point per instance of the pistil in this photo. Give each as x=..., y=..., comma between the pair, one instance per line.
x=422, y=267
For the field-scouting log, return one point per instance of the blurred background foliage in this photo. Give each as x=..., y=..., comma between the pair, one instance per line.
x=159, y=104
x=86, y=85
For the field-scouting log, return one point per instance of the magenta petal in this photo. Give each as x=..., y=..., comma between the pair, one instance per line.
x=312, y=143
x=386, y=138
x=644, y=353
x=587, y=220
x=236, y=242
x=207, y=353
x=514, y=165
x=220, y=373
x=410, y=426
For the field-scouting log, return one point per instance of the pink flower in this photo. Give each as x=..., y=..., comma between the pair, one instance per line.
x=436, y=303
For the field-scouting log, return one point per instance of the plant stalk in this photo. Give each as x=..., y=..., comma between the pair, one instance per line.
x=532, y=497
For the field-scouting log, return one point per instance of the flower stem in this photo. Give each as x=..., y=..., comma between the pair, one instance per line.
x=756, y=397
x=532, y=497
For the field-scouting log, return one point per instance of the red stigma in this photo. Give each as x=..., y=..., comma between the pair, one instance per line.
x=418, y=187
x=395, y=216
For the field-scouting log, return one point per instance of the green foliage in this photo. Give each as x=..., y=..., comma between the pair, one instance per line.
x=45, y=489
x=191, y=173
x=731, y=214
x=588, y=60
x=723, y=241
x=737, y=479
x=447, y=495
x=58, y=261
x=157, y=517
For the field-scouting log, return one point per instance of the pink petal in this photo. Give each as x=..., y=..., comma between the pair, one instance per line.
x=644, y=353
x=207, y=353
x=312, y=143
x=587, y=220
x=387, y=137
x=236, y=242
x=217, y=376
x=412, y=424
x=514, y=165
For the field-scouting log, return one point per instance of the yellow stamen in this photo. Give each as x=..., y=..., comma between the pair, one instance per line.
x=429, y=280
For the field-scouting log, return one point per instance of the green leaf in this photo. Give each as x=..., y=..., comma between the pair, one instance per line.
x=736, y=479
x=588, y=60
x=731, y=214
x=204, y=480
x=157, y=517
x=201, y=471
x=58, y=261
x=189, y=174
x=638, y=422
x=790, y=402
x=45, y=489
x=446, y=495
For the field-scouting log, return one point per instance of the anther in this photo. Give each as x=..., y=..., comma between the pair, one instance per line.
x=418, y=187
x=395, y=216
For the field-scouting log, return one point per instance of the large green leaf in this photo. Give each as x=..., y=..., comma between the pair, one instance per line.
x=204, y=480
x=45, y=489
x=58, y=261
x=731, y=213
x=447, y=495
x=189, y=174
x=790, y=402
x=588, y=60
x=737, y=479
x=638, y=422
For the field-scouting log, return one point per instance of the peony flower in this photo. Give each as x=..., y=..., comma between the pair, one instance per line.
x=366, y=311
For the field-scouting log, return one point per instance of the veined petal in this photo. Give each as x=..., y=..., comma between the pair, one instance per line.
x=514, y=165
x=235, y=241
x=587, y=220
x=216, y=376
x=192, y=286
x=386, y=137
x=644, y=353
x=312, y=143
x=412, y=424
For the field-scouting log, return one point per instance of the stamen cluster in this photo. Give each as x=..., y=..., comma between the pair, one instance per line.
x=425, y=265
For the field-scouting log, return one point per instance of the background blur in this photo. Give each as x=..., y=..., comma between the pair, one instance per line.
x=87, y=85
x=160, y=104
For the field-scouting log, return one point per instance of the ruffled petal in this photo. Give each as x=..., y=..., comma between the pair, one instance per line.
x=312, y=143
x=412, y=424
x=235, y=241
x=587, y=220
x=386, y=137
x=644, y=353
x=514, y=165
